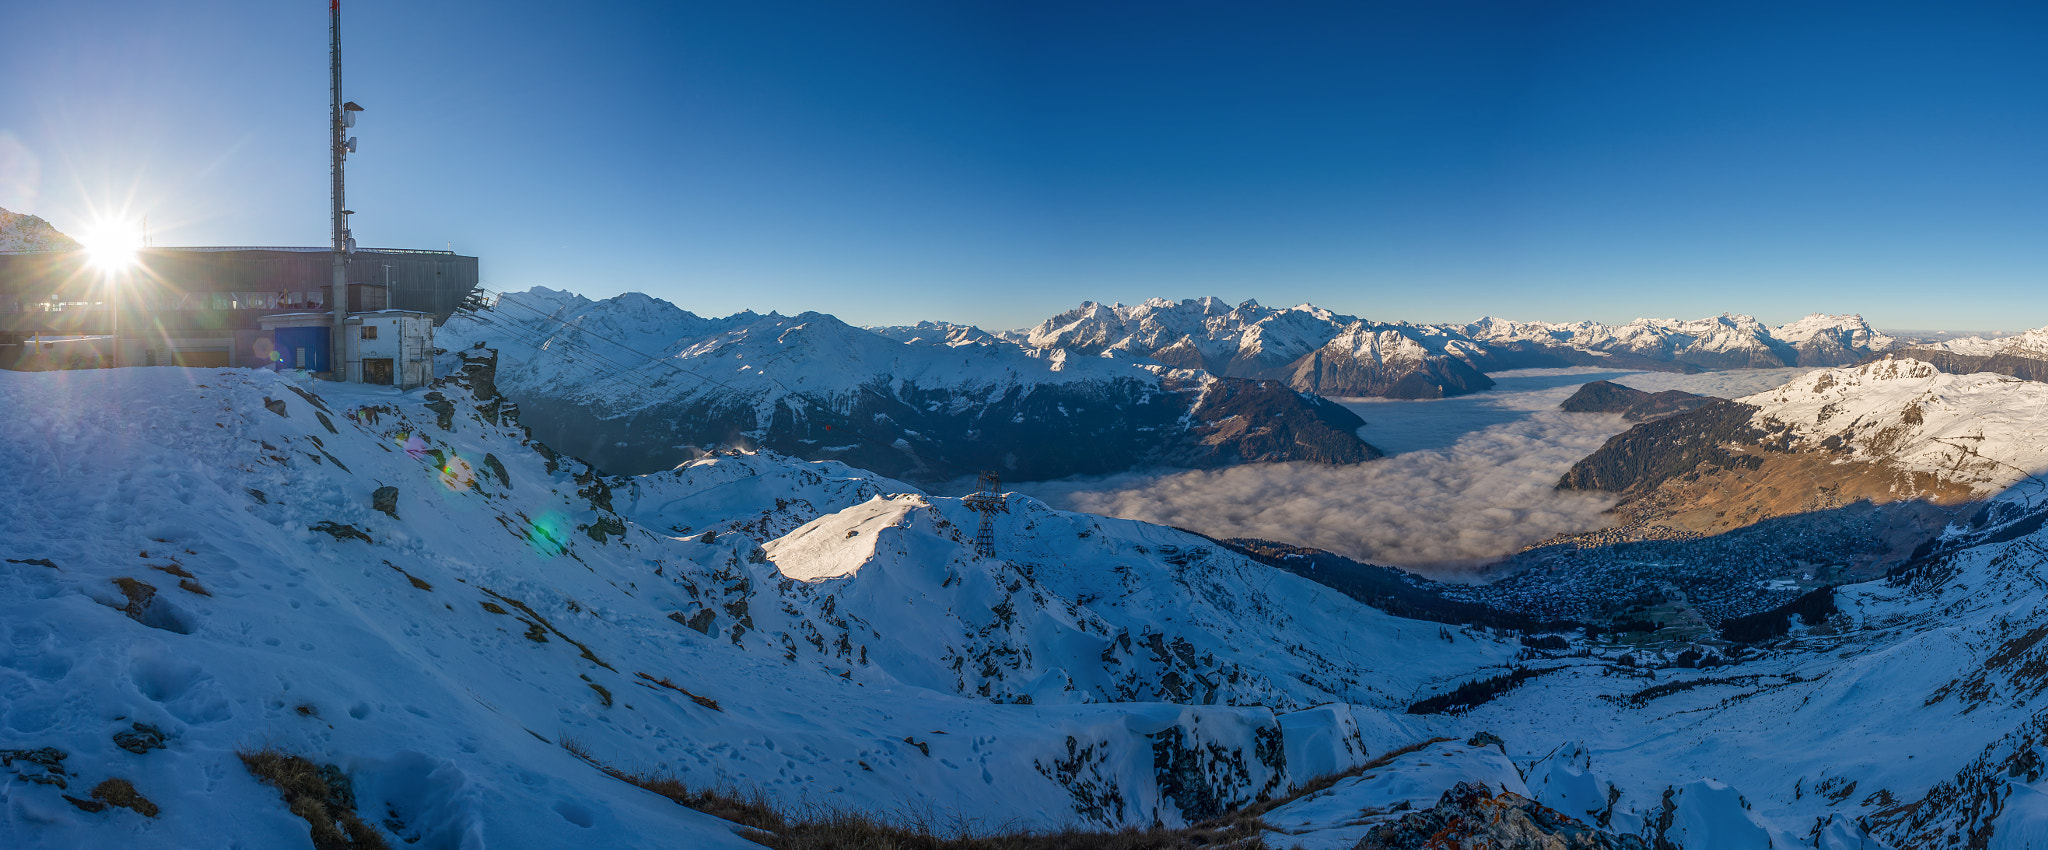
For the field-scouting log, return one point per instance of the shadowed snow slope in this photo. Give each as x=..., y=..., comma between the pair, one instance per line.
x=211, y=554
x=198, y=551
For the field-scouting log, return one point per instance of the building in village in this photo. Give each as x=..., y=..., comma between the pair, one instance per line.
x=248, y=307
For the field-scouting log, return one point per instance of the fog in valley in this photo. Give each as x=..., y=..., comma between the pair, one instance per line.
x=1468, y=479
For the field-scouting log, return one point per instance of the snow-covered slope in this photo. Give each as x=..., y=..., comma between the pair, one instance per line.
x=635, y=384
x=23, y=232
x=211, y=554
x=1981, y=431
x=2033, y=343
x=203, y=561
x=1916, y=710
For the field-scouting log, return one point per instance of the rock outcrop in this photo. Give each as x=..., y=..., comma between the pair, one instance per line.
x=1471, y=816
x=1633, y=404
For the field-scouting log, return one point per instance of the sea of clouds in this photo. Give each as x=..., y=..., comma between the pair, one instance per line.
x=1468, y=480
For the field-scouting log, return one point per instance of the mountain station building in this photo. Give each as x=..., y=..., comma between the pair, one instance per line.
x=234, y=306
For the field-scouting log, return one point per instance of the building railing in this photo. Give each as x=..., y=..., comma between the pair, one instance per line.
x=181, y=302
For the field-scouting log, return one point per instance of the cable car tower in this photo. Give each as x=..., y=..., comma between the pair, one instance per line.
x=988, y=501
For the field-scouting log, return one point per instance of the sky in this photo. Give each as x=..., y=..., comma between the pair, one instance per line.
x=995, y=163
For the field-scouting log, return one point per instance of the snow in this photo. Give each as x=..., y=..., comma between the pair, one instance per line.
x=1979, y=430
x=1338, y=817
x=1250, y=333
x=860, y=653
x=632, y=351
x=2033, y=343
x=449, y=715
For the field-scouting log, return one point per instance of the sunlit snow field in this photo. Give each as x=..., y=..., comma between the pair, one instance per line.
x=1469, y=479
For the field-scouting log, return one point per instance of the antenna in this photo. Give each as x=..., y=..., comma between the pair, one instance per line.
x=988, y=501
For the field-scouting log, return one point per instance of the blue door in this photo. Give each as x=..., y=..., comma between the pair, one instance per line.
x=303, y=348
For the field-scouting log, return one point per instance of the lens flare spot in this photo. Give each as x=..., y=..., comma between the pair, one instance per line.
x=549, y=533
x=457, y=474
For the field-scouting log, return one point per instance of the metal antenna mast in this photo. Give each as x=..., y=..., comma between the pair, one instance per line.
x=988, y=501
x=341, y=116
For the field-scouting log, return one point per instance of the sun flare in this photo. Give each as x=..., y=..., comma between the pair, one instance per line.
x=111, y=244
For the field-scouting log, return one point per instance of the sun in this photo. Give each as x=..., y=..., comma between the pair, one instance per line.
x=110, y=244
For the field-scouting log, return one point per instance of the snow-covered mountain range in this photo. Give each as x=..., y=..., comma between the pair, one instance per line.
x=636, y=384
x=482, y=636
x=23, y=232
x=1316, y=350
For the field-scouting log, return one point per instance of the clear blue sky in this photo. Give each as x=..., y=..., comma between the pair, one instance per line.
x=994, y=162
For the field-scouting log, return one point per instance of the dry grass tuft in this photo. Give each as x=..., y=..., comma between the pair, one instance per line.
x=118, y=792
x=418, y=582
x=191, y=586
x=820, y=828
x=707, y=702
x=319, y=794
x=139, y=594
x=173, y=569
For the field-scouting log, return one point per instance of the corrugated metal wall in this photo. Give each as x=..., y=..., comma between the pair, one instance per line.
x=428, y=281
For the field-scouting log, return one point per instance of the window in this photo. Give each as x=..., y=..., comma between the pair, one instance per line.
x=369, y=331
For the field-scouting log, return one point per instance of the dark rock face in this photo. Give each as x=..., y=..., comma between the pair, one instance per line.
x=1031, y=433
x=1472, y=816
x=385, y=499
x=1637, y=460
x=1267, y=422
x=1331, y=371
x=1633, y=404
